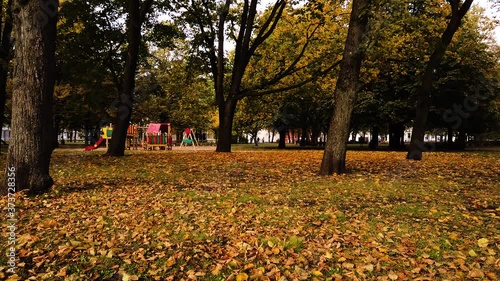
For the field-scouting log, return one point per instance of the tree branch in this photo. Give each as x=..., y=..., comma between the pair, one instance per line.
x=314, y=76
x=219, y=88
x=268, y=26
x=291, y=67
x=146, y=6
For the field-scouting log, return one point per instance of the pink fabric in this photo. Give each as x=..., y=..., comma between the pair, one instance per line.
x=155, y=128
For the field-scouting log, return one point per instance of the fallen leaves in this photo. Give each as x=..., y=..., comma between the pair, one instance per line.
x=483, y=242
x=263, y=215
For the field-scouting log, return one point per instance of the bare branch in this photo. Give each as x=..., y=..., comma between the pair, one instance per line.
x=219, y=82
x=145, y=10
x=314, y=76
x=268, y=26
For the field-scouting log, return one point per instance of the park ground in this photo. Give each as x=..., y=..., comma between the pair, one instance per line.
x=260, y=214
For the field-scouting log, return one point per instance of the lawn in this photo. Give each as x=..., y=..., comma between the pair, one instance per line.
x=261, y=215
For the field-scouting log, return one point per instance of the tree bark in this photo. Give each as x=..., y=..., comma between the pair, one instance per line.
x=374, y=141
x=461, y=140
x=396, y=136
x=314, y=135
x=345, y=91
x=226, y=116
x=282, y=142
x=450, y=138
x=304, y=138
x=5, y=57
x=425, y=91
x=125, y=101
x=30, y=146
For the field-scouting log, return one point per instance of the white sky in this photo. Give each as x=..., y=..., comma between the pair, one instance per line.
x=491, y=13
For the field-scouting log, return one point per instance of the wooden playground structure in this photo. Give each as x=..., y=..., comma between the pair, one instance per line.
x=155, y=135
x=133, y=137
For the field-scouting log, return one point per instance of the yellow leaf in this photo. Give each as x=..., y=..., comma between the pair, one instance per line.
x=476, y=273
x=75, y=243
x=317, y=273
x=393, y=276
x=472, y=253
x=483, y=242
x=170, y=261
x=369, y=267
x=62, y=272
x=13, y=277
x=241, y=277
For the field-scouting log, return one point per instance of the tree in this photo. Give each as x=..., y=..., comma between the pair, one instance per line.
x=249, y=30
x=30, y=146
x=253, y=115
x=137, y=12
x=346, y=91
x=5, y=53
x=424, y=93
x=170, y=89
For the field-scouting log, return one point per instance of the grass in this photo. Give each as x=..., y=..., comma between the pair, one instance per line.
x=262, y=212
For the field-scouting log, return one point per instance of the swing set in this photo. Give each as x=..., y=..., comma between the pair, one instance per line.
x=188, y=137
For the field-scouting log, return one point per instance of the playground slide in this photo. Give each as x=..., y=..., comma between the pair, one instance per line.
x=96, y=145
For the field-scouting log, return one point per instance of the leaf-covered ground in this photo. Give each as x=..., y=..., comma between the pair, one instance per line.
x=261, y=215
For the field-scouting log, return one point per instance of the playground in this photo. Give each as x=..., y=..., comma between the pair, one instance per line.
x=262, y=214
x=155, y=136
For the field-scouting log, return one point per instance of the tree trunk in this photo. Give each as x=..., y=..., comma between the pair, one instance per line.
x=374, y=141
x=314, y=136
x=424, y=92
x=5, y=57
x=282, y=142
x=226, y=116
x=450, y=138
x=125, y=102
x=304, y=137
x=345, y=91
x=30, y=146
x=461, y=140
x=396, y=136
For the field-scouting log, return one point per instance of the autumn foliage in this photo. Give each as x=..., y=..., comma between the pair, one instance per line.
x=261, y=215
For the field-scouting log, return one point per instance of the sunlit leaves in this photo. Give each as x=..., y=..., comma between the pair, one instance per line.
x=262, y=215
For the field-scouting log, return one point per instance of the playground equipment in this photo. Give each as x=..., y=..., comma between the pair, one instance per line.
x=106, y=133
x=158, y=135
x=188, y=137
x=132, y=137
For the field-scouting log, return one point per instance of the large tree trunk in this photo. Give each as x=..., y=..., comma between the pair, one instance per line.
x=345, y=91
x=396, y=136
x=374, y=141
x=425, y=91
x=226, y=116
x=304, y=138
x=30, y=146
x=5, y=56
x=282, y=142
x=125, y=102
